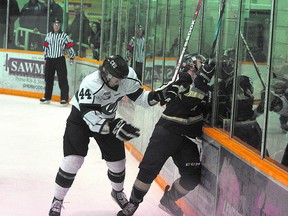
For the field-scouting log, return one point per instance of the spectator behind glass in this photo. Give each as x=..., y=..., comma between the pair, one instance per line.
x=56, y=12
x=137, y=44
x=74, y=30
x=14, y=13
x=94, y=39
x=173, y=51
x=33, y=16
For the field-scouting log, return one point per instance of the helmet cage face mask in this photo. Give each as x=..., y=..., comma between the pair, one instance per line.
x=109, y=79
x=190, y=62
x=227, y=67
x=188, y=65
x=108, y=75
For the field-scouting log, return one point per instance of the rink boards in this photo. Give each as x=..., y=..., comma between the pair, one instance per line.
x=235, y=180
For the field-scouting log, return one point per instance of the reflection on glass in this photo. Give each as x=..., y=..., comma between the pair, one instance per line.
x=14, y=13
x=94, y=39
x=32, y=29
x=106, y=23
x=277, y=128
x=135, y=51
x=235, y=98
x=79, y=31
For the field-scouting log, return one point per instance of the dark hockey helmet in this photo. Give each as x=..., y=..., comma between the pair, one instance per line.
x=116, y=66
x=227, y=64
x=189, y=62
x=245, y=87
x=56, y=21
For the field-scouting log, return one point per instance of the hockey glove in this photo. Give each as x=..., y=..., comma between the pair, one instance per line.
x=200, y=84
x=122, y=130
x=165, y=93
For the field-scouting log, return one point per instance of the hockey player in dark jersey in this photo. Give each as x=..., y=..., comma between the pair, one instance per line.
x=93, y=115
x=176, y=135
x=246, y=127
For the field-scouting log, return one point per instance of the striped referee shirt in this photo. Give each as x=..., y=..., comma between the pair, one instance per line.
x=138, y=46
x=55, y=45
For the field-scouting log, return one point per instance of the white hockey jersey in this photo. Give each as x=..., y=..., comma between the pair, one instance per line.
x=98, y=103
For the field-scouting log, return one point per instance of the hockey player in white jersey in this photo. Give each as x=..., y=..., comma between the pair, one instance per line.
x=93, y=115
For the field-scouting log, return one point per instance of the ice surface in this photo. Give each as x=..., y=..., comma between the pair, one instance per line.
x=30, y=153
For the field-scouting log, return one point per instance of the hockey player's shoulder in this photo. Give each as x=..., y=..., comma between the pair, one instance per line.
x=93, y=81
x=184, y=78
x=93, y=76
x=132, y=77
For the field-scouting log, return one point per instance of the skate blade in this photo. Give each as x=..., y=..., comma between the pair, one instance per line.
x=45, y=102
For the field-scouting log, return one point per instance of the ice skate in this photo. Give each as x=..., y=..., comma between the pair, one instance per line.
x=64, y=103
x=168, y=205
x=129, y=209
x=119, y=197
x=44, y=101
x=56, y=207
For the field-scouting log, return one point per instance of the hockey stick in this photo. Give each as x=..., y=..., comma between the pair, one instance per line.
x=217, y=28
x=186, y=42
x=248, y=49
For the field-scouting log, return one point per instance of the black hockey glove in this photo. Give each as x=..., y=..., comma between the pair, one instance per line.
x=122, y=130
x=199, y=84
x=165, y=93
x=158, y=95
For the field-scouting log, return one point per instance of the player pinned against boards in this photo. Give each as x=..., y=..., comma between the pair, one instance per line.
x=177, y=134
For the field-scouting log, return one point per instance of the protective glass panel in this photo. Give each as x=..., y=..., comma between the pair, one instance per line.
x=157, y=77
x=13, y=9
x=135, y=48
x=78, y=27
x=237, y=81
x=91, y=46
x=105, y=28
x=150, y=43
x=277, y=126
x=31, y=27
x=251, y=73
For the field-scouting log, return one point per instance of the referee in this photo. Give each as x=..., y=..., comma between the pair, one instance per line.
x=55, y=45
